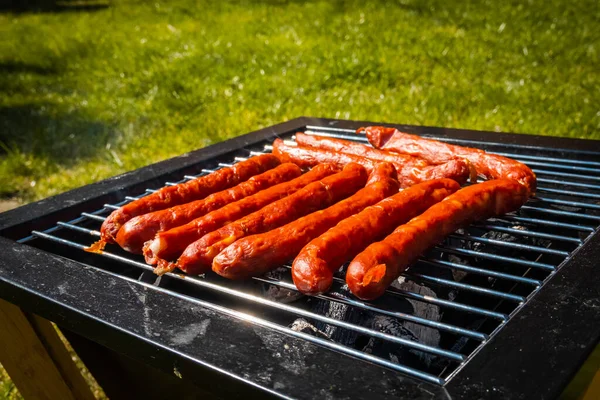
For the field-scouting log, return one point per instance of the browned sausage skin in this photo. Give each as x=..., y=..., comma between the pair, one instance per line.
x=258, y=254
x=170, y=244
x=142, y=228
x=198, y=256
x=373, y=270
x=490, y=165
x=314, y=267
x=452, y=168
x=408, y=173
x=185, y=192
x=358, y=149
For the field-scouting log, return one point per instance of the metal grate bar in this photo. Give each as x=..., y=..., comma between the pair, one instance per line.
x=568, y=203
x=369, y=307
x=558, y=160
x=575, y=168
x=583, y=228
x=568, y=183
x=444, y=303
x=518, y=261
x=566, y=174
x=438, y=301
x=519, y=246
x=352, y=136
x=480, y=254
x=280, y=306
x=57, y=227
x=480, y=271
x=471, y=288
x=93, y=217
x=251, y=318
x=568, y=192
x=78, y=228
x=415, y=296
x=344, y=299
x=459, y=250
x=529, y=233
x=561, y=212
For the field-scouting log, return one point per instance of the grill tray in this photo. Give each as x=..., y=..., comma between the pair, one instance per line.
x=449, y=307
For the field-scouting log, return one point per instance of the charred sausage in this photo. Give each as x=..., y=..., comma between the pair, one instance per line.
x=168, y=245
x=492, y=166
x=142, y=228
x=313, y=268
x=258, y=254
x=374, y=269
x=198, y=257
x=457, y=170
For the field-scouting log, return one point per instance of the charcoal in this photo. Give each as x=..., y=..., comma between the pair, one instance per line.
x=277, y=293
x=342, y=312
x=457, y=274
x=383, y=323
x=532, y=240
x=428, y=311
x=462, y=341
x=392, y=352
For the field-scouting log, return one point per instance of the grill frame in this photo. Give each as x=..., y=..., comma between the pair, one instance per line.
x=27, y=292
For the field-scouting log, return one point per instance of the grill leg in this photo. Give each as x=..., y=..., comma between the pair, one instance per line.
x=123, y=378
x=36, y=359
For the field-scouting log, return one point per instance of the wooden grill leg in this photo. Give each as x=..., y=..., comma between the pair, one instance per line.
x=36, y=359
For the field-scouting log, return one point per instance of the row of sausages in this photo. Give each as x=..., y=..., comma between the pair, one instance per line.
x=246, y=220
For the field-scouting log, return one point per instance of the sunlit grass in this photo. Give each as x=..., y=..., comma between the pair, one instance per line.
x=87, y=95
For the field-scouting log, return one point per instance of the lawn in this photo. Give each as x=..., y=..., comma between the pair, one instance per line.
x=87, y=93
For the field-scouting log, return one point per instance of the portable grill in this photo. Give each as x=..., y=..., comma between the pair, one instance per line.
x=507, y=307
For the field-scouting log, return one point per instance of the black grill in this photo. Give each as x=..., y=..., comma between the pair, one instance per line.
x=436, y=318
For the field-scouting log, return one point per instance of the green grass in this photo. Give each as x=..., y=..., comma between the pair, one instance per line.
x=8, y=390
x=89, y=94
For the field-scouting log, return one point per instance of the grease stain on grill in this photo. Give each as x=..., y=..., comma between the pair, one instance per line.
x=187, y=334
x=291, y=358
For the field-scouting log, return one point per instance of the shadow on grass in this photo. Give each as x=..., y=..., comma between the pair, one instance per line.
x=44, y=132
x=13, y=67
x=21, y=6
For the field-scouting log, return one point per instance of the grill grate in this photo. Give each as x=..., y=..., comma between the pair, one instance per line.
x=442, y=311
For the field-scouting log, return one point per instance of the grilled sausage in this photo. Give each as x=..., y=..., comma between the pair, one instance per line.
x=142, y=228
x=405, y=163
x=185, y=192
x=373, y=270
x=168, y=245
x=407, y=176
x=258, y=254
x=490, y=165
x=313, y=268
x=357, y=149
x=198, y=257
